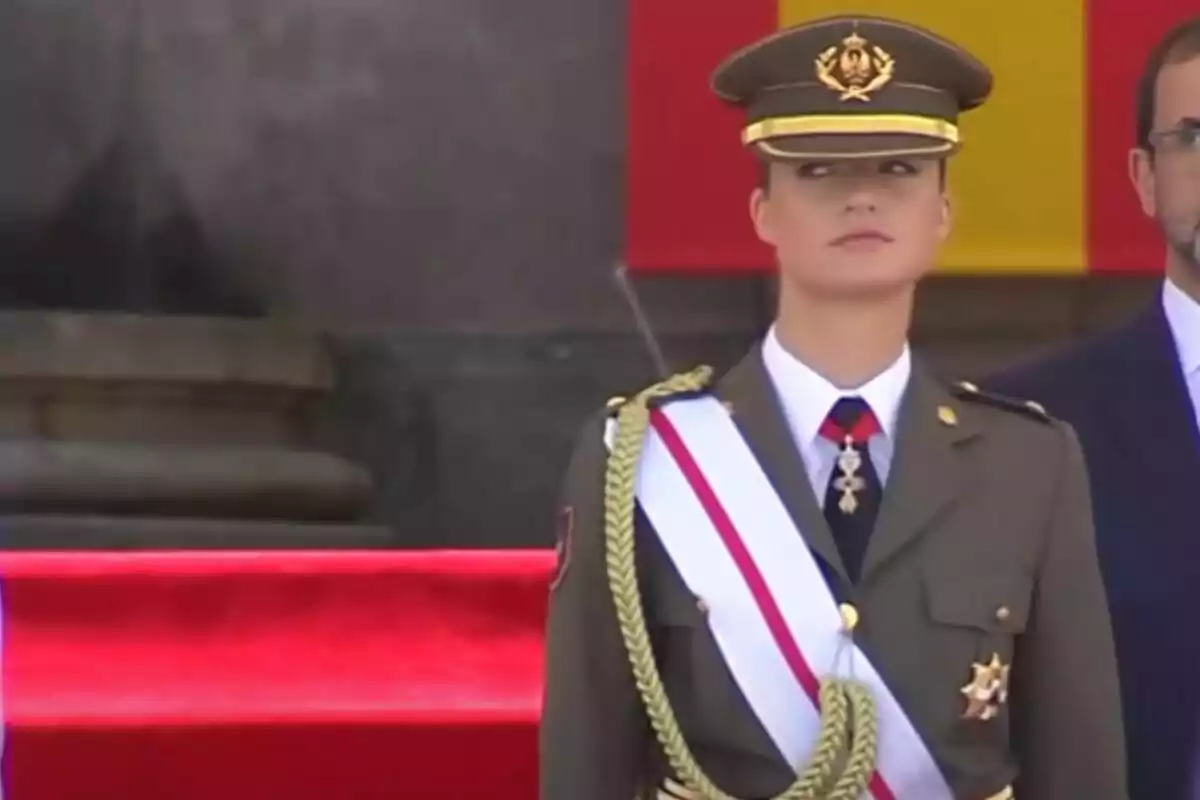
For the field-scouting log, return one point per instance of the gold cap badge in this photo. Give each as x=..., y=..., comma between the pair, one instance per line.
x=855, y=70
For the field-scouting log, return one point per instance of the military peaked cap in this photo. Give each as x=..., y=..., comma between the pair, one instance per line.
x=852, y=86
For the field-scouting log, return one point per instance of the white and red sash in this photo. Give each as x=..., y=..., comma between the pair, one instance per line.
x=773, y=617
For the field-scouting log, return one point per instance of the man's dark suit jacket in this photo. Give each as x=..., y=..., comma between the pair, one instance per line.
x=1125, y=394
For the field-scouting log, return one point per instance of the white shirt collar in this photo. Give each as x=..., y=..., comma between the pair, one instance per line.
x=807, y=397
x=1183, y=317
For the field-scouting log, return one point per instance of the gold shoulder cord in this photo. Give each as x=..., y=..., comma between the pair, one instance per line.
x=844, y=758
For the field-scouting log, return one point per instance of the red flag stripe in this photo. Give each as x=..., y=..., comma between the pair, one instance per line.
x=682, y=142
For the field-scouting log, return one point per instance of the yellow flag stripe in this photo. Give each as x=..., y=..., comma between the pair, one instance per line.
x=1018, y=186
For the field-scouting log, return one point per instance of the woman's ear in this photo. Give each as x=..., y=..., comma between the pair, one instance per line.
x=946, y=223
x=760, y=215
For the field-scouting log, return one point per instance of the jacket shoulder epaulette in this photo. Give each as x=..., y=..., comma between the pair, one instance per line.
x=681, y=385
x=970, y=392
x=614, y=403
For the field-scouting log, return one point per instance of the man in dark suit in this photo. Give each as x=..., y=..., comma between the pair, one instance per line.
x=814, y=576
x=1133, y=395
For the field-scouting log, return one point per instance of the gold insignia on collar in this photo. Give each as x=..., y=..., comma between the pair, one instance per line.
x=987, y=690
x=947, y=416
x=856, y=70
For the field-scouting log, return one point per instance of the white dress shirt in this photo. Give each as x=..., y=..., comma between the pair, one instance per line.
x=1183, y=317
x=807, y=399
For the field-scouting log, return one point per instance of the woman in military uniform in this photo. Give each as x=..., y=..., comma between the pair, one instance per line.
x=828, y=574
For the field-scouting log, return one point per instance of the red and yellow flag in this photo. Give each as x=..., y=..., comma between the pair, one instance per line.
x=1040, y=187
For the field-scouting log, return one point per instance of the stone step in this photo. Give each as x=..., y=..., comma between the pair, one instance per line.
x=89, y=532
x=134, y=478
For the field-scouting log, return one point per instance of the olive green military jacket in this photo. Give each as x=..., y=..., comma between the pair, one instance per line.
x=984, y=545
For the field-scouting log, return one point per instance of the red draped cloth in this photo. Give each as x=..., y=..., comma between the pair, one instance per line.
x=289, y=675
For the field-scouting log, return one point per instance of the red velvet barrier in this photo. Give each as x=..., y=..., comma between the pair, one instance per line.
x=290, y=675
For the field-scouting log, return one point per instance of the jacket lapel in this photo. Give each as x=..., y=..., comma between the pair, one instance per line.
x=750, y=395
x=1146, y=395
x=927, y=470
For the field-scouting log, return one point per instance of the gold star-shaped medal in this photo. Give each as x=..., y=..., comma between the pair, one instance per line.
x=987, y=689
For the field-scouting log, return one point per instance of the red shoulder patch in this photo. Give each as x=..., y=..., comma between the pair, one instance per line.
x=565, y=528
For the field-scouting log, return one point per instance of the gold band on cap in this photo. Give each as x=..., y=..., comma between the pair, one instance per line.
x=895, y=152
x=835, y=124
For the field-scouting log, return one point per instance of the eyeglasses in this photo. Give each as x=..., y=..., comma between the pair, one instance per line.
x=1182, y=141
